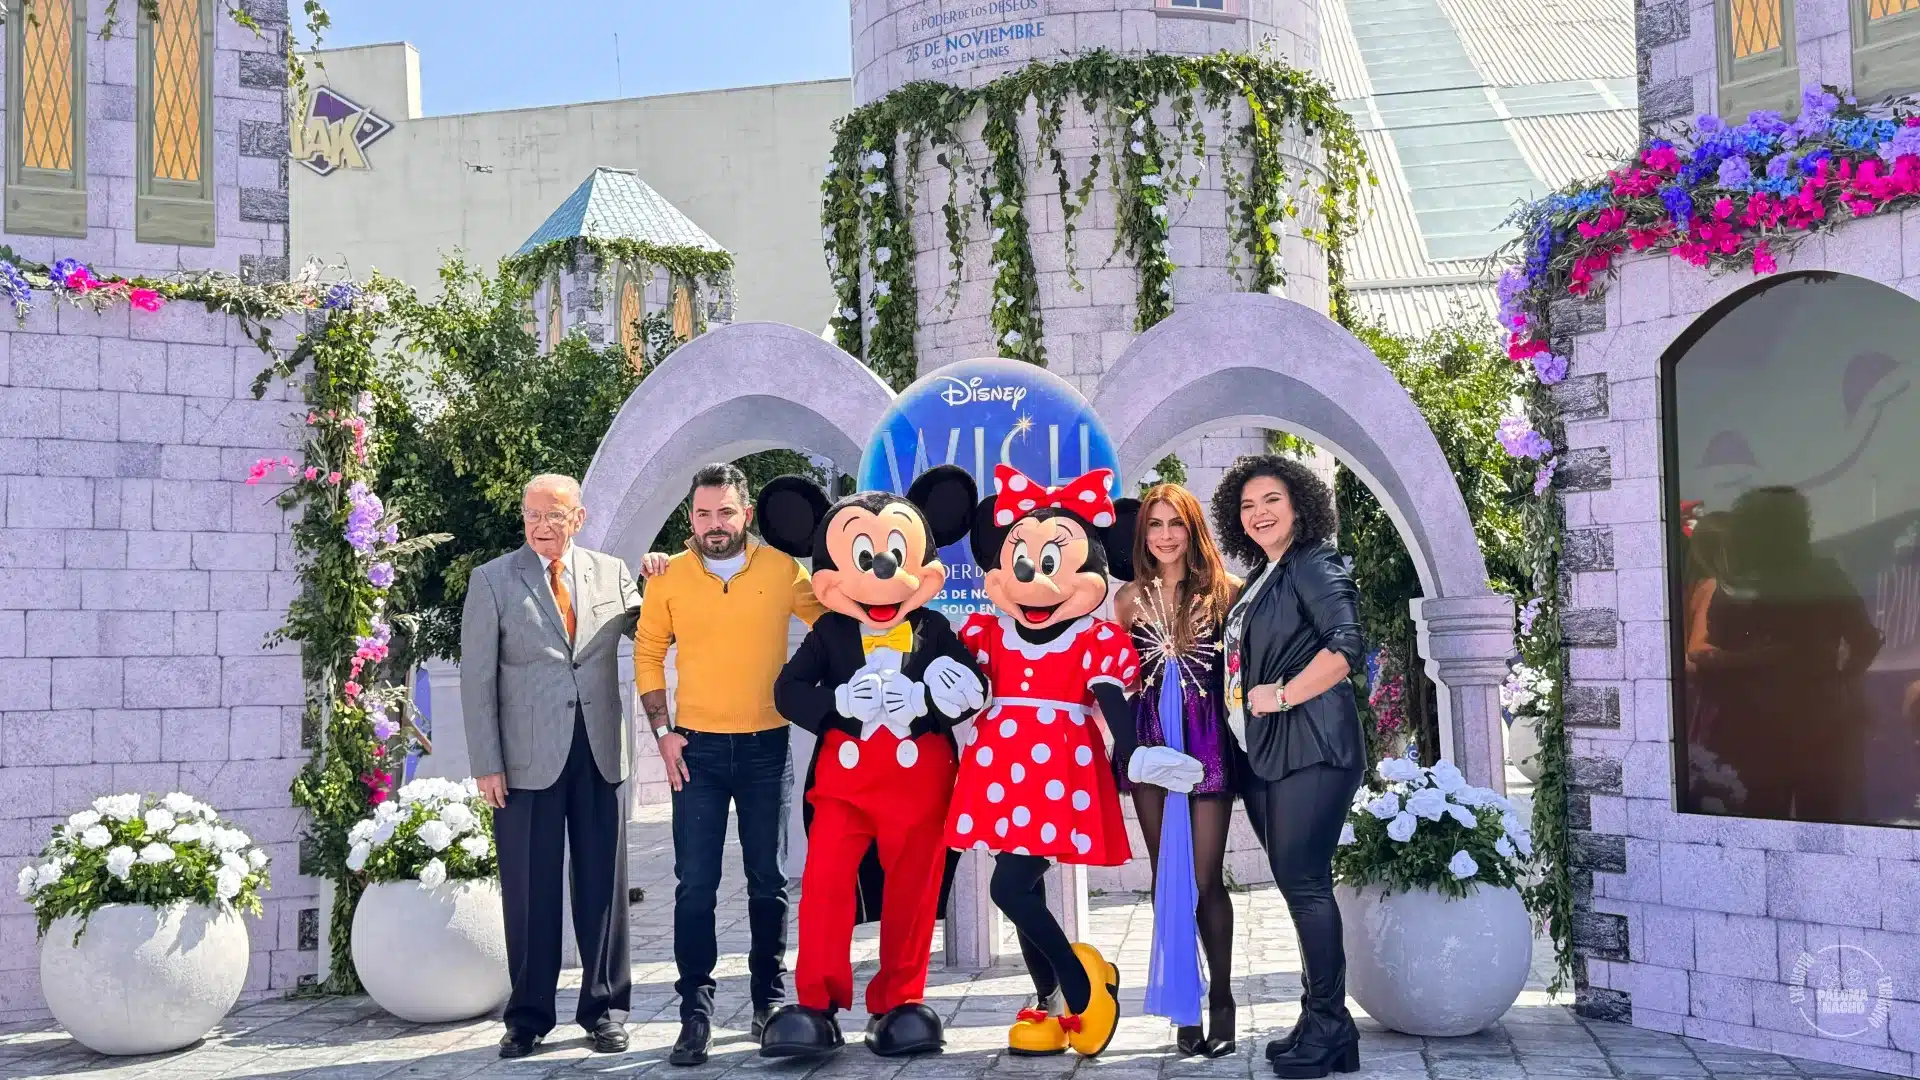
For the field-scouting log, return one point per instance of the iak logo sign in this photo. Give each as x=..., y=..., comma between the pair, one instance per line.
x=332, y=131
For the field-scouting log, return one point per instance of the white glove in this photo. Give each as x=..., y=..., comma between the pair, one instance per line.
x=902, y=701
x=860, y=698
x=1164, y=767
x=953, y=687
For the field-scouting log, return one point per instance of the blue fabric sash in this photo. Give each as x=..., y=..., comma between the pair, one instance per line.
x=1174, y=984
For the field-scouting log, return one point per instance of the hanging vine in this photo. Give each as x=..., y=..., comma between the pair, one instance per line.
x=865, y=211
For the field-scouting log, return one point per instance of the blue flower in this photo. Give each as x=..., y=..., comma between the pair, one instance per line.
x=15, y=286
x=1778, y=166
x=1767, y=122
x=1864, y=133
x=341, y=296
x=66, y=268
x=1708, y=124
x=1904, y=142
x=1736, y=174
x=1679, y=203
x=1810, y=164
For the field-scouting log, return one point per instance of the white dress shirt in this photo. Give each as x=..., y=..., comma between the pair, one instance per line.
x=567, y=574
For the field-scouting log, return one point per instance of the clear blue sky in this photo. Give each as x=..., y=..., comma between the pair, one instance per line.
x=477, y=55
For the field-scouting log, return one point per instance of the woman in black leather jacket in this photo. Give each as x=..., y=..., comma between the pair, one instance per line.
x=1291, y=641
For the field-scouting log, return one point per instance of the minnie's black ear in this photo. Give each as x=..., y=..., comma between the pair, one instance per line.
x=946, y=494
x=788, y=511
x=1118, y=539
x=987, y=537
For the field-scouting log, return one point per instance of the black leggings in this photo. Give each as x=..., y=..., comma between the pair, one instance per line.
x=1298, y=820
x=1212, y=815
x=1019, y=890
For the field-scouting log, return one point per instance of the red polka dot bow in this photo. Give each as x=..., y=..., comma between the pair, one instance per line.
x=1016, y=496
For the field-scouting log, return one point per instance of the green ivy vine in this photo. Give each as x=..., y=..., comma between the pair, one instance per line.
x=707, y=266
x=866, y=210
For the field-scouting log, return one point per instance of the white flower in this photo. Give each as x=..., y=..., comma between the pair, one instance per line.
x=361, y=832
x=119, y=861
x=1385, y=807
x=1347, y=836
x=49, y=873
x=1399, y=770
x=1504, y=847
x=159, y=820
x=1463, y=815
x=96, y=836
x=227, y=882
x=235, y=863
x=1428, y=803
x=469, y=788
x=231, y=839
x=882, y=255
x=1473, y=796
x=1160, y=211
x=435, y=834
x=1510, y=823
x=999, y=235
x=876, y=160
x=379, y=303
x=459, y=817
x=828, y=233
x=357, y=857
x=156, y=853
x=434, y=874
x=1138, y=147
x=849, y=313
x=1525, y=843
x=29, y=878
x=1151, y=180
x=997, y=201
x=882, y=288
x=387, y=811
x=257, y=859
x=1139, y=126
x=475, y=847
x=1012, y=337
x=118, y=807
x=878, y=187
x=1402, y=826
x=1463, y=865
x=180, y=803
x=85, y=819
x=831, y=166
x=1447, y=777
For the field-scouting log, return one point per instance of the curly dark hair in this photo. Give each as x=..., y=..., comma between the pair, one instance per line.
x=1313, y=515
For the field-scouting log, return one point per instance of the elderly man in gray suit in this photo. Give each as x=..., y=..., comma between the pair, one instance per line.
x=540, y=685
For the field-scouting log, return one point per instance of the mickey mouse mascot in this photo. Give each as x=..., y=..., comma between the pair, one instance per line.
x=882, y=682
x=1035, y=784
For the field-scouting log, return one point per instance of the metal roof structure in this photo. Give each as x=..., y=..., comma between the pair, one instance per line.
x=1467, y=108
x=615, y=204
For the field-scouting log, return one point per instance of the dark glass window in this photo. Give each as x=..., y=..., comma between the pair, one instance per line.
x=1793, y=480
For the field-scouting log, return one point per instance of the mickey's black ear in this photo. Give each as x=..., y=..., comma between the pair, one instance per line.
x=1118, y=539
x=946, y=494
x=788, y=510
x=987, y=537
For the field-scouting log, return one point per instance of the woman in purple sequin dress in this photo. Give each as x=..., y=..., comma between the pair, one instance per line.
x=1175, y=609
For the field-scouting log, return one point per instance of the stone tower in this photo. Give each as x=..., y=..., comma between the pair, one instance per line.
x=1087, y=306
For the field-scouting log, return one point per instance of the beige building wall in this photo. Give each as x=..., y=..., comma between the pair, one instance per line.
x=744, y=164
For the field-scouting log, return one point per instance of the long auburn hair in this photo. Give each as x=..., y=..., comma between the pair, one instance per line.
x=1206, y=592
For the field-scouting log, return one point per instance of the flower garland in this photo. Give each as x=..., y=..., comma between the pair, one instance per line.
x=1722, y=196
x=867, y=195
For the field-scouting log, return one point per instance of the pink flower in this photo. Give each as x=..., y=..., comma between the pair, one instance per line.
x=145, y=299
x=312, y=419
x=352, y=689
x=1522, y=350
x=333, y=478
x=312, y=472
x=1763, y=259
x=1661, y=159
x=261, y=469
x=1635, y=184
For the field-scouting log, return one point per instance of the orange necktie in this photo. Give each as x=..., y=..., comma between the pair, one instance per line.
x=561, y=597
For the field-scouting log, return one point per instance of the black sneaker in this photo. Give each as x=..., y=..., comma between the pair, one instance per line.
x=696, y=1038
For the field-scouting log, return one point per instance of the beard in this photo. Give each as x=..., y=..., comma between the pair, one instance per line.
x=720, y=544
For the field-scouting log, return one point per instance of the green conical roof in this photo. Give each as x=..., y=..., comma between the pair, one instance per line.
x=615, y=204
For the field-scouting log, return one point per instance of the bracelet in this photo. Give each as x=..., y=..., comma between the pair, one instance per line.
x=1280, y=692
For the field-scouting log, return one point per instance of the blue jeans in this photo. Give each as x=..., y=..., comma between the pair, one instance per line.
x=755, y=773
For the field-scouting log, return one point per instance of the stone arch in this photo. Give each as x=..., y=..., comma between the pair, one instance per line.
x=1257, y=359
x=737, y=390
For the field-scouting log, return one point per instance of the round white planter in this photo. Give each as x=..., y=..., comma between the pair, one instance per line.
x=1424, y=964
x=1523, y=749
x=432, y=955
x=144, y=980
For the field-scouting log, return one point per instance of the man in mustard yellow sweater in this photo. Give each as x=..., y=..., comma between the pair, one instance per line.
x=725, y=604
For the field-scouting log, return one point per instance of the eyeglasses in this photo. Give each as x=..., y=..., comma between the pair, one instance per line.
x=552, y=517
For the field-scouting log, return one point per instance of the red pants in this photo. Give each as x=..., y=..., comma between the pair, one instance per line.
x=880, y=791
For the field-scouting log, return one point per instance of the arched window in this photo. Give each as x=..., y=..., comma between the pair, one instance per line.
x=633, y=340
x=1759, y=65
x=683, y=324
x=175, y=73
x=1793, y=505
x=46, y=119
x=556, y=312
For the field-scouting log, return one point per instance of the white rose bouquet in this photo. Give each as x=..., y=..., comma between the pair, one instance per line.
x=432, y=830
x=1429, y=828
x=130, y=850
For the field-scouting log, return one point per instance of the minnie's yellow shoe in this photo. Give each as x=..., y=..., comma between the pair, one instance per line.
x=1036, y=1034
x=1101, y=1017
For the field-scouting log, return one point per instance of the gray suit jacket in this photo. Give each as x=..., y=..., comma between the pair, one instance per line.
x=519, y=678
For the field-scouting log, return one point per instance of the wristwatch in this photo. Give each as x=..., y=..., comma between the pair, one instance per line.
x=662, y=731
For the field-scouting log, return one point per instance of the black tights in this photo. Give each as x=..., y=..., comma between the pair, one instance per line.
x=1212, y=815
x=1019, y=890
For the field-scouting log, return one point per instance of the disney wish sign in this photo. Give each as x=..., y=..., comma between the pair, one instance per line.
x=977, y=414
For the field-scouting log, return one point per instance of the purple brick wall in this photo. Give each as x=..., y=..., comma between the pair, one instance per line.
x=138, y=576
x=1691, y=923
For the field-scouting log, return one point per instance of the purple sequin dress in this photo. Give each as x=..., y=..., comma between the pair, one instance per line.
x=1204, y=692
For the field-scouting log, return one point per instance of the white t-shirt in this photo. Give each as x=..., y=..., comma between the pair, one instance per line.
x=725, y=569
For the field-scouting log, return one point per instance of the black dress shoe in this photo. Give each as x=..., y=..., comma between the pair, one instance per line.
x=608, y=1037
x=1312, y=1061
x=516, y=1044
x=795, y=1031
x=760, y=1017
x=1190, y=1041
x=696, y=1038
x=906, y=1029
x=1221, y=1022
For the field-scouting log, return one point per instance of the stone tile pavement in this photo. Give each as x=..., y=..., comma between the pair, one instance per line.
x=351, y=1039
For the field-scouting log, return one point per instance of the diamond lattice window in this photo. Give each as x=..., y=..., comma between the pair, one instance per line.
x=630, y=337
x=1756, y=26
x=46, y=122
x=683, y=313
x=556, y=313
x=1881, y=9
x=177, y=91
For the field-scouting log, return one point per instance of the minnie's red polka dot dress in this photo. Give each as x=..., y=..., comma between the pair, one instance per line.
x=1034, y=777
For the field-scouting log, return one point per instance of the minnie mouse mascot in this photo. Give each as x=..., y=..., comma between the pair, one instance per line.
x=882, y=682
x=1034, y=782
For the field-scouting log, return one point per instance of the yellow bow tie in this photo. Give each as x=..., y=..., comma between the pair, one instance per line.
x=899, y=639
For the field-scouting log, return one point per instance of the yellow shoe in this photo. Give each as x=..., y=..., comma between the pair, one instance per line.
x=1036, y=1034
x=1102, y=1016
